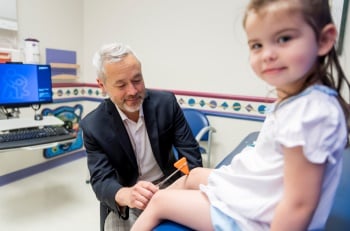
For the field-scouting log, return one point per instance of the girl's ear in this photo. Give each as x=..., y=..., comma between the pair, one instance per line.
x=327, y=39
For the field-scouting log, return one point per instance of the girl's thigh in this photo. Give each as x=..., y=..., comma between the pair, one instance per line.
x=187, y=207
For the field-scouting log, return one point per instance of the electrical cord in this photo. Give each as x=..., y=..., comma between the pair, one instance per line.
x=5, y=113
x=36, y=107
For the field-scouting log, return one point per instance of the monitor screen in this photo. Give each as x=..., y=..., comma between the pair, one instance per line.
x=23, y=85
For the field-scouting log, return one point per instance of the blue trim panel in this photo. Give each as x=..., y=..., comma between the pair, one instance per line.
x=235, y=116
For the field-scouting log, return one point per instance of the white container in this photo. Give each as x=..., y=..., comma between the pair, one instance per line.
x=31, y=51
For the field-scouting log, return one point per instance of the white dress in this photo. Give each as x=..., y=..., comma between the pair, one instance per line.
x=249, y=189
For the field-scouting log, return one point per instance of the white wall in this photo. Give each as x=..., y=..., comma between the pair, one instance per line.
x=195, y=45
x=56, y=24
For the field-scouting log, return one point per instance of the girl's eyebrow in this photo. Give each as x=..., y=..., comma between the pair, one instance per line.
x=284, y=30
x=253, y=41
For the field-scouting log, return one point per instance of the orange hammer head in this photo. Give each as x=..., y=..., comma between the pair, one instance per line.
x=182, y=165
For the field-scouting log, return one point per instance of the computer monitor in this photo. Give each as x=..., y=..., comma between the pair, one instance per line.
x=23, y=85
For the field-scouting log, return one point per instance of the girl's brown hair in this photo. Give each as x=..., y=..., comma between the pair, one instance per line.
x=328, y=70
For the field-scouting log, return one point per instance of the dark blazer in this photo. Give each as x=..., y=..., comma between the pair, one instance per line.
x=111, y=159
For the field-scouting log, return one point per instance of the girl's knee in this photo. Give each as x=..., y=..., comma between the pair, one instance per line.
x=195, y=171
x=195, y=178
x=157, y=198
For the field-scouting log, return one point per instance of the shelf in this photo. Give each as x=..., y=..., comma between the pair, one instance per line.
x=64, y=77
x=64, y=65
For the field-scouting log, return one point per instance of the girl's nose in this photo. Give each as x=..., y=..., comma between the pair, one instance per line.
x=269, y=54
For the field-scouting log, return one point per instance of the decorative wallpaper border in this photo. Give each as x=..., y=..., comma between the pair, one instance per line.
x=215, y=104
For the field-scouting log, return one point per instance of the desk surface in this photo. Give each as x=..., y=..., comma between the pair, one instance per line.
x=19, y=123
x=41, y=145
x=28, y=122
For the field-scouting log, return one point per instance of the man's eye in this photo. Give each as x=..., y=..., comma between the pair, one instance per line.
x=120, y=85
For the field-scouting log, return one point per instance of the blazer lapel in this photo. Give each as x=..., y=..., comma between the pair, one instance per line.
x=121, y=133
x=151, y=126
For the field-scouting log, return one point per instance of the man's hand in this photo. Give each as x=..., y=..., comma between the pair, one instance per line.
x=136, y=196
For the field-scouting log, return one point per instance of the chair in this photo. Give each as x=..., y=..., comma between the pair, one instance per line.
x=201, y=129
x=249, y=140
x=339, y=217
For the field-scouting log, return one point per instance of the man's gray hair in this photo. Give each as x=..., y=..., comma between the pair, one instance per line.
x=113, y=52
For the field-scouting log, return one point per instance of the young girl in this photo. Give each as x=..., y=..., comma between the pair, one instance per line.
x=288, y=181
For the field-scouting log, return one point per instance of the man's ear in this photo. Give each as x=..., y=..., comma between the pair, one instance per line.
x=101, y=85
x=327, y=39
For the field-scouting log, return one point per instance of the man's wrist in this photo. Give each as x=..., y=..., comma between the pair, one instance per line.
x=121, y=197
x=121, y=203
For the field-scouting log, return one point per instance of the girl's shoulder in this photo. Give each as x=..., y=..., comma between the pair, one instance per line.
x=316, y=98
x=313, y=119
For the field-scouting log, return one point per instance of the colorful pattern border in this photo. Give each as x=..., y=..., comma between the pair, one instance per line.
x=211, y=103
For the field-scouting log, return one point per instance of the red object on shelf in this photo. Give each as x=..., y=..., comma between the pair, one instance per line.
x=5, y=57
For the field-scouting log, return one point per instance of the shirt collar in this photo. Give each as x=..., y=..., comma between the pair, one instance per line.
x=124, y=117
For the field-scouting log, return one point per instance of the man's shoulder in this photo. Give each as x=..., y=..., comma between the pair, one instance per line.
x=160, y=94
x=96, y=113
x=163, y=102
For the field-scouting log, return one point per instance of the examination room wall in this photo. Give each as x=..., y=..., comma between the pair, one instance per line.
x=197, y=46
x=193, y=46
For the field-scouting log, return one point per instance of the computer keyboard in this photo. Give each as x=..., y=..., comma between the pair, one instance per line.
x=34, y=136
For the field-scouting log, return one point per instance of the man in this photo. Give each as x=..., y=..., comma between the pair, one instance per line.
x=129, y=138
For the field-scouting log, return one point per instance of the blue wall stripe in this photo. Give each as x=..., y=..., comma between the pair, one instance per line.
x=234, y=116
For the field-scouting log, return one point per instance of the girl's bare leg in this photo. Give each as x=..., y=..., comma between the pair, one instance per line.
x=196, y=177
x=188, y=207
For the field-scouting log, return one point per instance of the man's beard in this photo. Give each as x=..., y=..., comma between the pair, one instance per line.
x=133, y=108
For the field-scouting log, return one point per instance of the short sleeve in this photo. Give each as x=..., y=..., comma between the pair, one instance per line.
x=315, y=122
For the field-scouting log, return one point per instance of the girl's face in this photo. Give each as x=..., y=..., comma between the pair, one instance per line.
x=283, y=47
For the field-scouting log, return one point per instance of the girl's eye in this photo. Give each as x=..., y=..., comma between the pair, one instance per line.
x=284, y=39
x=255, y=46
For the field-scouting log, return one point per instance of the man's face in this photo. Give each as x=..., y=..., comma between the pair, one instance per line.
x=124, y=84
